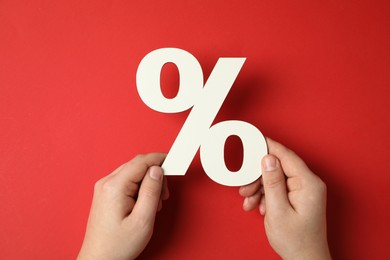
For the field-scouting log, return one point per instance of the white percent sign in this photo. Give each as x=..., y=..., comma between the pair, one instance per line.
x=205, y=102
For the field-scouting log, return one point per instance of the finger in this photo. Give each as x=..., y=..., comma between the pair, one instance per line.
x=149, y=196
x=294, y=184
x=132, y=172
x=274, y=184
x=165, y=190
x=262, y=207
x=252, y=202
x=262, y=190
x=250, y=189
x=291, y=163
x=159, y=207
x=118, y=169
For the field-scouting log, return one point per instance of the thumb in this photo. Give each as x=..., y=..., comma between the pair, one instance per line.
x=149, y=195
x=274, y=184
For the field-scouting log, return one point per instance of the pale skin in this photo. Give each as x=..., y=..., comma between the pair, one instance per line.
x=289, y=195
x=124, y=208
x=293, y=200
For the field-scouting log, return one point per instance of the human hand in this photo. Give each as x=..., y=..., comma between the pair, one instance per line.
x=123, y=209
x=293, y=200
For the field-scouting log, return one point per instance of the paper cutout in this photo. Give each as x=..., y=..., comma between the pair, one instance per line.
x=197, y=131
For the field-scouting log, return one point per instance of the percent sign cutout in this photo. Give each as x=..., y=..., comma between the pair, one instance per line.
x=205, y=100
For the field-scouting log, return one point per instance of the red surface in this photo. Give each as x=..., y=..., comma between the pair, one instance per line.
x=316, y=78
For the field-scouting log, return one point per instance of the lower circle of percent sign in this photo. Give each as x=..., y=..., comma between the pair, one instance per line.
x=205, y=100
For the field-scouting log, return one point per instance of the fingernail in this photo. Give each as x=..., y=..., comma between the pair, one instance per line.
x=155, y=173
x=270, y=163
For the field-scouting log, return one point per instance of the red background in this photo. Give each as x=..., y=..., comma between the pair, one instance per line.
x=316, y=79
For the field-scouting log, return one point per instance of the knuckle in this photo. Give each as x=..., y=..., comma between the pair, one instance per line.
x=300, y=164
x=318, y=187
x=98, y=185
x=321, y=186
x=286, y=151
x=138, y=158
x=294, y=184
x=139, y=161
x=107, y=186
x=151, y=192
x=273, y=181
x=289, y=151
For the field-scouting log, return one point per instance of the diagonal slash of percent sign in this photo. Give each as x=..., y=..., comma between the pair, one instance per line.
x=205, y=102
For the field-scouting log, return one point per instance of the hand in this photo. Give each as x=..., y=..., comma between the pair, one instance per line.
x=293, y=200
x=123, y=210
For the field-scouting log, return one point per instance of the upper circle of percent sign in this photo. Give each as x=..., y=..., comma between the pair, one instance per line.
x=205, y=100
